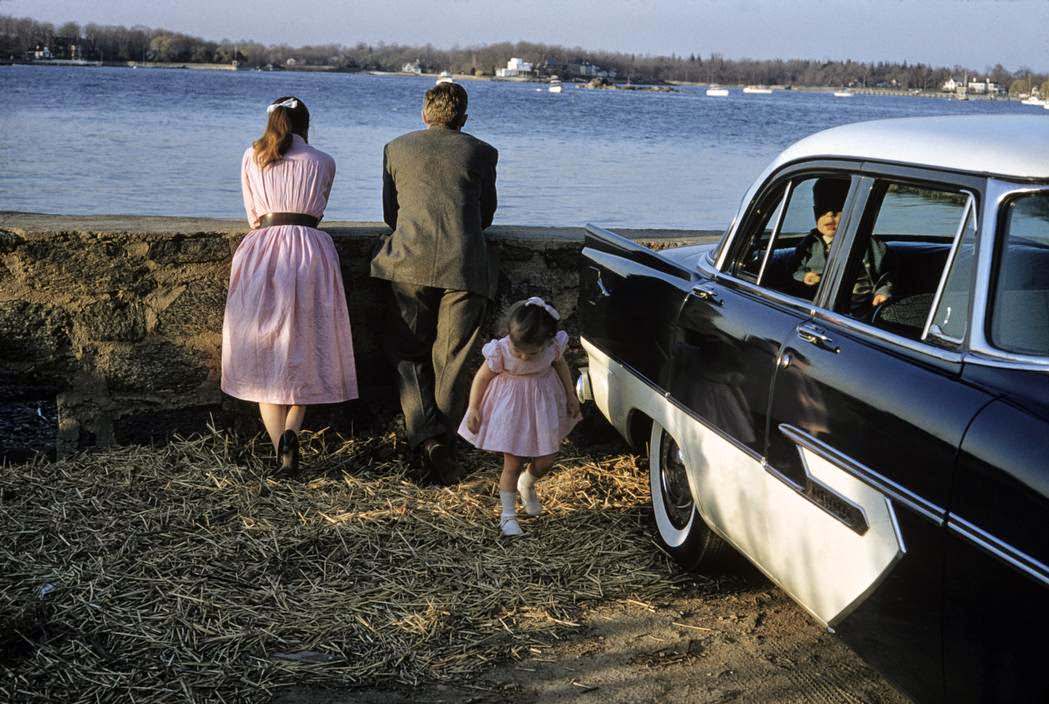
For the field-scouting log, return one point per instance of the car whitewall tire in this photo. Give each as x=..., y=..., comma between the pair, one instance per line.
x=679, y=527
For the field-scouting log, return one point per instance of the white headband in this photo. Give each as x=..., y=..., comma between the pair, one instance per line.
x=537, y=301
x=290, y=103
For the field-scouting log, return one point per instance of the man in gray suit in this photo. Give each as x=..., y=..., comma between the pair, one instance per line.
x=438, y=195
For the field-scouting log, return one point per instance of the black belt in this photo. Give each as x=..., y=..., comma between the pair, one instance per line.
x=274, y=219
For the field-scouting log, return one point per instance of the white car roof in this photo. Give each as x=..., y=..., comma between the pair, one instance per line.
x=1011, y=146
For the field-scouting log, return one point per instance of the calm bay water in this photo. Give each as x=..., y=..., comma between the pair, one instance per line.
x=168, y=142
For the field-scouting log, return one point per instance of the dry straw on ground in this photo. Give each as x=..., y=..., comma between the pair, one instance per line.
x=176, y=574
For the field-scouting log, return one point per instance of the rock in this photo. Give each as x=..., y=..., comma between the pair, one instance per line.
x=112, y=319
x=152, y=366
x=34, y=339
x=195, y=308
x=190, y=249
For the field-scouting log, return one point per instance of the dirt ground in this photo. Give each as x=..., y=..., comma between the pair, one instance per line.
x=736, y=639
x=176, y=571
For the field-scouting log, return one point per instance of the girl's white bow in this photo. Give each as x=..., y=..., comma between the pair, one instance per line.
x=537, y=301
x=290, y=103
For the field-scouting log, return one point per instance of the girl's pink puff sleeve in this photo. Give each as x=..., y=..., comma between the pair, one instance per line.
x=245, y=186
x=493, y=355
x=561, y=342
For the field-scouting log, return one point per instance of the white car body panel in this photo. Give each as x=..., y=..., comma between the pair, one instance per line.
x=823, y=564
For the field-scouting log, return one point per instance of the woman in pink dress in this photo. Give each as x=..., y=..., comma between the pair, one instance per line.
x=286, y=335
x=522, y=404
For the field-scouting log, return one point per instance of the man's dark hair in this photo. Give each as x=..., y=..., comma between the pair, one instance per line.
x=445, y=104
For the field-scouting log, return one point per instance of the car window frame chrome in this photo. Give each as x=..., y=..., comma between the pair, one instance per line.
x=845, y=165
x=990, y=192
x=981, y=350
x=782, y=208
x=967, y=212
x=873, y=172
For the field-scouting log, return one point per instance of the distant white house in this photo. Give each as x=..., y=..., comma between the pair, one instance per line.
x=514, y=67
x=291, y=62
x=413, y=67
x=981, y=87
x=43, y=53
x=950, y=85
x=590, y=70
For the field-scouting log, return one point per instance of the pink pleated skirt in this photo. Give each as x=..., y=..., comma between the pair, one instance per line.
x=286, y=334
x=522, y=415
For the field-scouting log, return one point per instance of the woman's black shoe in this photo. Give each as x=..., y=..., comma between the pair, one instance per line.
x=288, y=454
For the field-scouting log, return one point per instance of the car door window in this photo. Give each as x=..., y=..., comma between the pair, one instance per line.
x=902, y=248
x=785, y=251
x=759, y=234
x=946, y=327
x=1020, y=311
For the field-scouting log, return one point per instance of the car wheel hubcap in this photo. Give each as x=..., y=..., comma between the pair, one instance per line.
x=674, y=483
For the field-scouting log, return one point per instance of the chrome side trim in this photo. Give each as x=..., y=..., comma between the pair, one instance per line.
x=983, y=352
x=1003, y=360
x=879, y=335
x=999, y=548
x=923, y=507
x=859, y=524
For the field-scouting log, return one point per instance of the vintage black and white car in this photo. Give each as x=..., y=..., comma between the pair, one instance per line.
x=864, y=416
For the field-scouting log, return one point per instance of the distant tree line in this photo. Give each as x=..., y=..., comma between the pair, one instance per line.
x=118, y=43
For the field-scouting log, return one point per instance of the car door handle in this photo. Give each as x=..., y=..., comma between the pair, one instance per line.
x=815, y=335
x=706, y=292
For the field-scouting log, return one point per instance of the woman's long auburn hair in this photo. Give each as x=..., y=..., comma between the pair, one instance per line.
x=283, y=123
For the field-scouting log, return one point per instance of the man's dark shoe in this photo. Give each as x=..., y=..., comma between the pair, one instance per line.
x=437, y=456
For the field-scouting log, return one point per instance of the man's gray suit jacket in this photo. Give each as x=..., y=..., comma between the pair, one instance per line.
x=438, y=196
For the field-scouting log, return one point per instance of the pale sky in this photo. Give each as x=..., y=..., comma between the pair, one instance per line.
x=974, y=33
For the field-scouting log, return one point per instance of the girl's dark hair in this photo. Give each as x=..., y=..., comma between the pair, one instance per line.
x=530, y=326
x=283, y=123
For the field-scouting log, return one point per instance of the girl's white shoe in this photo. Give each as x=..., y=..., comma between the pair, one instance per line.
x=509, y=526
x=526, y=488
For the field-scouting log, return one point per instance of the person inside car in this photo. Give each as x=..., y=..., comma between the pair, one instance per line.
x=874, y=282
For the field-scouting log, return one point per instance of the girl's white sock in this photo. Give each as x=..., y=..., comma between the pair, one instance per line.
x=526, y=488
x=508, y=516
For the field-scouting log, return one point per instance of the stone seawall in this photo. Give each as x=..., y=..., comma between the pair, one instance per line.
x=119, y=319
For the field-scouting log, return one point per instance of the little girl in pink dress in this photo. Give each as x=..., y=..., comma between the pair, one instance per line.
x=522, y=404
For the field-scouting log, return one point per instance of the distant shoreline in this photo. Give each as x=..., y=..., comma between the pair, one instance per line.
x=858, y=90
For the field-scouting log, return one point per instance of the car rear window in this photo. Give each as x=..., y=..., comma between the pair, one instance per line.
x=1020, y=313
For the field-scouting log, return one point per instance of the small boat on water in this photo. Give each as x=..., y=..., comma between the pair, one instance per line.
x=1033, y=101
x=555, y=85
x=843, y=94
x=444, y=77
x=716, y=91
x=757, y=90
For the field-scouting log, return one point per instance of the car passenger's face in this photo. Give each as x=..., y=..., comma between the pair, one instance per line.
x=827, y=224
